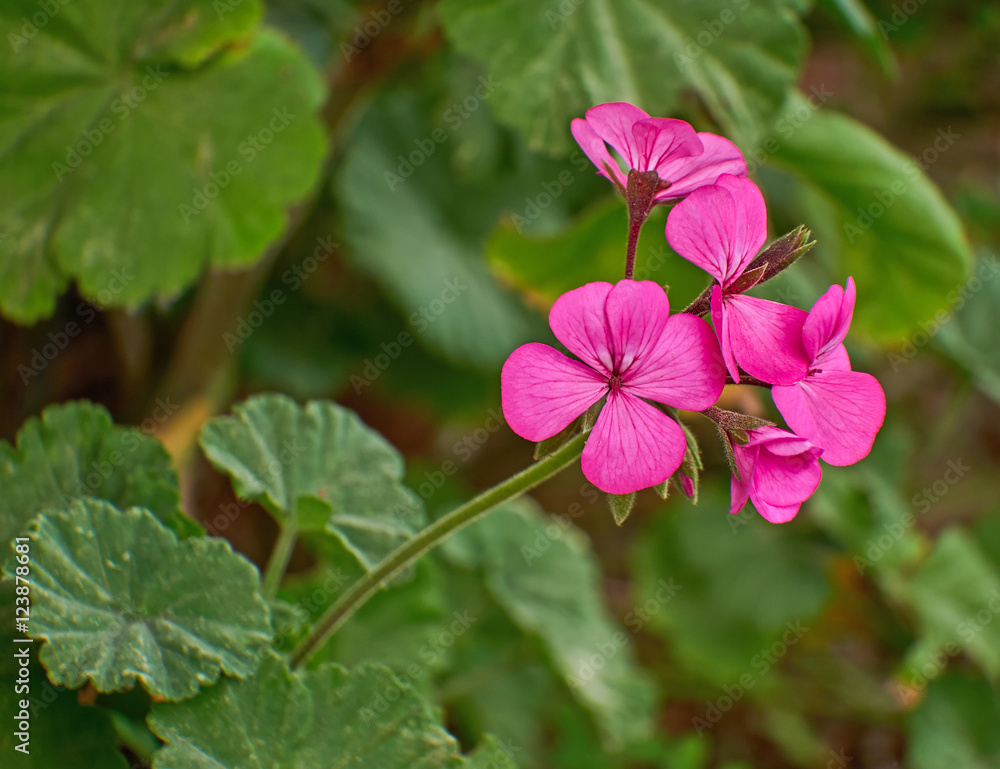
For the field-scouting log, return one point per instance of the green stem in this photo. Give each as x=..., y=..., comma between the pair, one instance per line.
x=280, y=556
x=433, y=535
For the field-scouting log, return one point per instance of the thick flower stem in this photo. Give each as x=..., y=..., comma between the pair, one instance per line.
x=433, y=535
x=280, y=556
x=634, y=226
x=640, y=192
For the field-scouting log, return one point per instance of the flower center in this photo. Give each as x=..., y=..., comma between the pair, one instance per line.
x=615, y=382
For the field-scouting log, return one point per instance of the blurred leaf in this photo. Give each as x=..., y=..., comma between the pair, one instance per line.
x=591, y=248
x=73, y=450
x=208, y=138
x=120, y=599
x=856, y=17
x=311, y=720
x=956, y=597
x=550, y=586
x=969, y=336
x=898, y=236
x=54, y=713
x=395, y=187
x=760, y=580
x=553, y=60
x=319, y=465
x=955, y=726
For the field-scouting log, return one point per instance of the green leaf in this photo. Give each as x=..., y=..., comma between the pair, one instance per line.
x=590, y=248
x=621, y=505
x=727, y=562
x=897, y=235
x=856, y=17
x=550, y=586
x=207, y=135
x=955, y=726
x=553, y=60
x=120, y=599
x=320, y=465
x=75, y=451
x=312, y=720
x=397, y=229
x=54, y=713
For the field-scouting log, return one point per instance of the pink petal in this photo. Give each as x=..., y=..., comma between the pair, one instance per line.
x=663, y=142
x=721, y=156
x=766, y=338
x=839, y=411
x=720, y=228
x=778, y=441
x=632, y=446
x=722, y=331
x=776, y=513
x=785, y=480
x=542, y=391
x=746, y=460
x=613, y=122
x=833, y=359
x=578, y=321
x=829, y=319
x=687, y=485
x=594, y=148
x=684, y=369
x=636, y=313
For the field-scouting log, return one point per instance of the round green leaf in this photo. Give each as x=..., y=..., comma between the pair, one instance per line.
x=120, y=599
x=142, y=141
x=555, y=59
x=319, y=465
x=327, y=717
x=75, y=451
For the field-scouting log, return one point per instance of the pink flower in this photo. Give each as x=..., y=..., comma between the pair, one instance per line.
x=630, y=348
x=721, y=228
x=778, y=472
x=682, y=159
x=833, y=407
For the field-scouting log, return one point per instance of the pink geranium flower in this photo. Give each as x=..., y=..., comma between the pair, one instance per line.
x=778, y=472
x=833, y=407
x=631, y=349
x=682, y=159
x=720, y=228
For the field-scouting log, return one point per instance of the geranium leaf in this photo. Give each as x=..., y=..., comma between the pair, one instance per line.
x=73, y=450
x=553, y=60
x=207, y=135
x=312, y=720
x=299, y=461
x=119, y=599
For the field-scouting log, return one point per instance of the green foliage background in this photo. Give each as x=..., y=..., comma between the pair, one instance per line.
x=369, y=205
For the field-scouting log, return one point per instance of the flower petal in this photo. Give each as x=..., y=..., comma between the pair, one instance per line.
x=613, y=122
x=594, y=148
x=542, y=391
x=739, y=489
x=785, y=480
x=829, y=319
x=721, y=156
x=766, y=338
x=663, y=143
x=578, y=321
x=720, y=228
x=776, y=513
x=719, y=320
x=632, y=446
x=684, y=369
x=636, y=313
x=839, y=411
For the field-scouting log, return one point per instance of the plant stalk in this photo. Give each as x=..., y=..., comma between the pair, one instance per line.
x=280, y=556
x=358, y=593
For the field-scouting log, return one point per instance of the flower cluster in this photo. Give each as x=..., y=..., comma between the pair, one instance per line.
x=631, y=351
